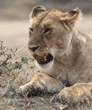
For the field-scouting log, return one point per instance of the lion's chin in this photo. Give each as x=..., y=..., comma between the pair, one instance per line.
x=42, y=60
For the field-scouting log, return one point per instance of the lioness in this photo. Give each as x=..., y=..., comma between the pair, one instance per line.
x=62, y=53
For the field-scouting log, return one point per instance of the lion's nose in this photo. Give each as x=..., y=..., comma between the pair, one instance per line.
x=33, y=48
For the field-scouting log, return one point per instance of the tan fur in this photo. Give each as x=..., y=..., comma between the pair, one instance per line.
x=71, y=51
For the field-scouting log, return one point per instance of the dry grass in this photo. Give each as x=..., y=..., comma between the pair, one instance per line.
x=18, y=38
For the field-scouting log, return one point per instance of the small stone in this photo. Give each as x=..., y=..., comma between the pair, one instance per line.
x=10, y=102
x=14, y=109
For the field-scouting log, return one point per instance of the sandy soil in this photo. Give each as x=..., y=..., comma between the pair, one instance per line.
x=15, y=35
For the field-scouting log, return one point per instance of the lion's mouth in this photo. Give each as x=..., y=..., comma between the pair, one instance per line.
x=43, y=59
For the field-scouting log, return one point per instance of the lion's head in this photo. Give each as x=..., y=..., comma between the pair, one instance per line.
x=50, y=33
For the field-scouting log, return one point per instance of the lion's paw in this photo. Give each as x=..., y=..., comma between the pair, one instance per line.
x=24, y=90
x=71, y=97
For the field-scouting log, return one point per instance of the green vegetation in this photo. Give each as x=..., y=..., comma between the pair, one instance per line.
x=9, y=61
x=11, y=90
x=17, y=103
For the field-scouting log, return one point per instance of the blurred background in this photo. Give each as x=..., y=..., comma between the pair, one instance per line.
x=14, y=18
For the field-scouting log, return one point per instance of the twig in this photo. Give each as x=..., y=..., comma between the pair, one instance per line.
x=8, y=57
x=60, y=81
x=20, y=49
x=1, y=45
x=1, y=48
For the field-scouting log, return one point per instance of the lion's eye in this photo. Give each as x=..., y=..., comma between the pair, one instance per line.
x=30, y=29
x=47, y=30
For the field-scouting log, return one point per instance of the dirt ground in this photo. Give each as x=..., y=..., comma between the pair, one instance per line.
x=16, y=36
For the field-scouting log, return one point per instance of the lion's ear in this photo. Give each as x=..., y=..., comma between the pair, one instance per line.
x=37, y=10
x=73, y=16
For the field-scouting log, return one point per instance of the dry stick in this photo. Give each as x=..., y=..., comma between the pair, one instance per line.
x=60, y=81
x=60, y=84
x=1, y=45
x=8, y=57
x=20, y=49
x=1, y=48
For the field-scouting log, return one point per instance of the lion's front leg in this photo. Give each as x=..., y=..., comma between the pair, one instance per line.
x=78, y=93
x=41, y=82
